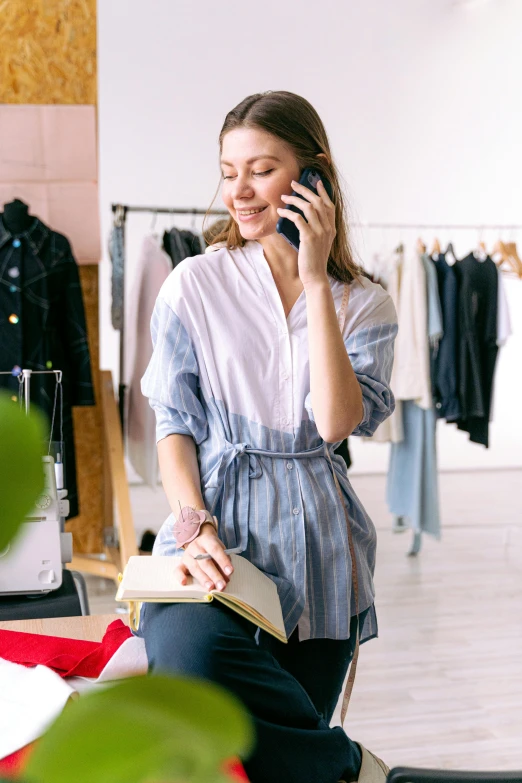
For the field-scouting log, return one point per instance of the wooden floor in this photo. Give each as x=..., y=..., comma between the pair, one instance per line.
x=442, y=686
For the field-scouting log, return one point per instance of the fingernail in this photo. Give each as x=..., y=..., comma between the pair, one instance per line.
x=208, y=585
x=228, y=570
x=220, y=585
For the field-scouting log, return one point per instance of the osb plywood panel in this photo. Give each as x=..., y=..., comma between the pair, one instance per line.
x=48, y=51
x=87, y=528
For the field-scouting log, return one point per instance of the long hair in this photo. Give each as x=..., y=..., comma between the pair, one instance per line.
x=295, y=121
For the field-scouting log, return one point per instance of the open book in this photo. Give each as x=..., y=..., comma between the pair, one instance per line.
x=249, y=592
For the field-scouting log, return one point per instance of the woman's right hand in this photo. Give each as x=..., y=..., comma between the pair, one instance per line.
x=212, y=574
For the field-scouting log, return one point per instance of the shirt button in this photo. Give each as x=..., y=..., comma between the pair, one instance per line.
x=16, y=243
x=13, y=272
x=295, y=511
x=289, y=466
x=16, y=370
x=13, y=319
x=12, y=289
x=285, y=376
x=284, y=422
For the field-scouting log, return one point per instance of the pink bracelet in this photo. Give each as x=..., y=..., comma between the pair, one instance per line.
x=187, y=526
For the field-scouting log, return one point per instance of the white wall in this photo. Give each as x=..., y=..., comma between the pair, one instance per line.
x=421, y=99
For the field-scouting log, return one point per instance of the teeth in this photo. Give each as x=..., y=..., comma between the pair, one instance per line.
x=251, y=211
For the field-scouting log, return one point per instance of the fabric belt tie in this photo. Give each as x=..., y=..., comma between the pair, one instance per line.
x=234, y=471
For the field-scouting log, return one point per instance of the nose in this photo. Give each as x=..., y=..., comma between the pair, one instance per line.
x=242, y=188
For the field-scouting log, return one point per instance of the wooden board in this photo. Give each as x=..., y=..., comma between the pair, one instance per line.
x=95, y=512
x=48, y=51
x=89, y=628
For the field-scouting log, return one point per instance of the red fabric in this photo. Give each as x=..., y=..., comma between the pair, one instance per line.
x=67, y=657
x=70, y=657
x=236, y=772
x=12, y=766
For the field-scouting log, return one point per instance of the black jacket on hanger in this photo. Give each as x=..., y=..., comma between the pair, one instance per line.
x=477, y=311
x=446, y=362
x=42, y=327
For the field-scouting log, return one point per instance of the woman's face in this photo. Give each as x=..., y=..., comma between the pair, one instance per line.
x=257, y=170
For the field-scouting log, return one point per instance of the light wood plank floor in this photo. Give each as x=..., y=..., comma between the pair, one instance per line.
x=442, y=686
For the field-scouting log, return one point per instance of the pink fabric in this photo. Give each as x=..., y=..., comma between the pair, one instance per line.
x=67, y=657
x=48, y=158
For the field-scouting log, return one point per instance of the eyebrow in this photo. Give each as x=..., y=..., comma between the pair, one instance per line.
x=252, y=160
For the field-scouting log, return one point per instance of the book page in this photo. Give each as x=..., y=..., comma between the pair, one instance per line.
x=146, y=577
x=252, y=588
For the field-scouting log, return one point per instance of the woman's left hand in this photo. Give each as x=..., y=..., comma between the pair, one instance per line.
x=316, y=235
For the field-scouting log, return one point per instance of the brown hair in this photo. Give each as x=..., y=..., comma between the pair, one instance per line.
x=295, y=121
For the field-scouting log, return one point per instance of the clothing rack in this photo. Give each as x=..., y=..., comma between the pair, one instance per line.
x=120, y=214
x=121, y=210
x=441, y=226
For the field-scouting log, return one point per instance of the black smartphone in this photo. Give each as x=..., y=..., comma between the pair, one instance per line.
x=309, y=178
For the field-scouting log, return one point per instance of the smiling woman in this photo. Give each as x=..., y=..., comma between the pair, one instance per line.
x=266, y=357
x=283, y=147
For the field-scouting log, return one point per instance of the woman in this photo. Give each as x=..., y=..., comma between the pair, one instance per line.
x=250, y=365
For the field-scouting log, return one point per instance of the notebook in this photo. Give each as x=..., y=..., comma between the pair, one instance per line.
x=249, y=592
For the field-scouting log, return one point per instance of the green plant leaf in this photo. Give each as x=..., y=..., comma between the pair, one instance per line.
x=21, y=472
x=154, y=728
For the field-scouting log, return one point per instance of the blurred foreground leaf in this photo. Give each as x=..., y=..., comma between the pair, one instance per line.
x=21, y=472
x=153, y=728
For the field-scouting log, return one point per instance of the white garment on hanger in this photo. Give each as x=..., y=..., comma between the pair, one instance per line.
x=153, y=269
x=412, y=364
x=504, y=330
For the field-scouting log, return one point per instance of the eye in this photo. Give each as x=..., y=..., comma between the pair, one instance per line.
x=229, y=177
x=263, y=173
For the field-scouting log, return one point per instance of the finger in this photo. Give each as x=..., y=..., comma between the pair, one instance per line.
x=316, y=220
x=328, y=203
x=181, y=573
x=307, y=194
x=205, y=571
x=299, y=220
x=323, y=194
x=223, y=561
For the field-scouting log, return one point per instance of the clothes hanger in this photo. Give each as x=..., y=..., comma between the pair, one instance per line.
x=450, y=250
x=435, y=250
x=503, y=256
x=511, y=248
x=420, y=246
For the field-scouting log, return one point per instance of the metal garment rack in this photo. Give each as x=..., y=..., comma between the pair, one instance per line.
x=120, y=212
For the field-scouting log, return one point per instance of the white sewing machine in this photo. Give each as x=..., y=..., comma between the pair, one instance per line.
x=32, y=563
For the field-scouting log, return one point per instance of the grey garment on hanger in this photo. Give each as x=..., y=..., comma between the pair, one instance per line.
x=116, y=252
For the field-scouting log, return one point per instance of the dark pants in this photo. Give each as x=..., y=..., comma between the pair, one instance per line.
x=290, y=690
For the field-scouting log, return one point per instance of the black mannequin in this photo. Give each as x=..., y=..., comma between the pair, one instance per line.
x=16, y=217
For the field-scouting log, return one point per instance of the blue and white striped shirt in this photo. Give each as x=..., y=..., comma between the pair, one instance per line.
x=229, y=369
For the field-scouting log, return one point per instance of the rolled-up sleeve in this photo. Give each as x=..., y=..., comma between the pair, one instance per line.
x=171, y=381
x=371, y=353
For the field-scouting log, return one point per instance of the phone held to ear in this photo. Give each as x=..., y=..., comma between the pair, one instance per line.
x=309, y=178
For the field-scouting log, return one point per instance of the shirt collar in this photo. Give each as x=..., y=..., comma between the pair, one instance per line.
x=35, y=235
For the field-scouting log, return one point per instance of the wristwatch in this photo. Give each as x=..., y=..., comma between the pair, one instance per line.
x=188, y=524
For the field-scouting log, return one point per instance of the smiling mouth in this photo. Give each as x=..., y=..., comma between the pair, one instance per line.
x=246, y=212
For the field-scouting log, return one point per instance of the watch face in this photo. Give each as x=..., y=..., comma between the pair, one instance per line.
x=44, y=501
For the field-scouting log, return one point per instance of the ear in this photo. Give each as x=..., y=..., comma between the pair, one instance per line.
x=325, y=156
